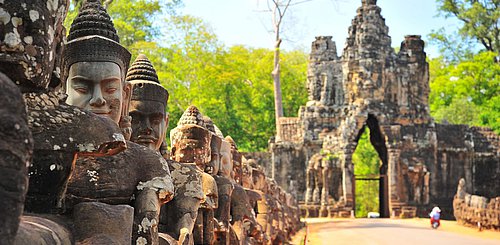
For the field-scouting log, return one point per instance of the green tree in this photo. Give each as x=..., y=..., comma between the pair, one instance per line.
x=466, y=93
x=134, y=20
x=229, y=84
x=479, y=20
x=366, y=163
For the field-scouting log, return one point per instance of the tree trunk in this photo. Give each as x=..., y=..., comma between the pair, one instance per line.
x=278, y=106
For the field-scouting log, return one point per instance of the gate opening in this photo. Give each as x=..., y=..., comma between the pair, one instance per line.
x=370, y=171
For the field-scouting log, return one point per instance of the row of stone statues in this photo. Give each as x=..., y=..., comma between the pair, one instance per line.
x=474, y=210
x=95, y=154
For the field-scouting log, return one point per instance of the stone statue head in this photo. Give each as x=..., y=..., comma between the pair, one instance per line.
x=237, y=157
x=215, y=145
x=191, y=140
x=32, y=35
x=94, y=64
x=247, y=171
x=259, y=179
x=147, y=104
x=226, y=160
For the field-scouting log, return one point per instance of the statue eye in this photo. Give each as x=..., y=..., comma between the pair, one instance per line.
x=156, y=119
x=111, y=90
x=81, y=90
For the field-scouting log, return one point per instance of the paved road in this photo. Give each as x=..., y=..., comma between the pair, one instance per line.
x=387, y=231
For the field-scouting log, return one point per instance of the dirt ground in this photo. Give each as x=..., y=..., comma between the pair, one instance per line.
x=446, y=225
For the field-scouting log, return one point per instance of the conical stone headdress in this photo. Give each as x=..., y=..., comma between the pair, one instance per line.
x=145, y=83
x=192, y=116
x=92, y=37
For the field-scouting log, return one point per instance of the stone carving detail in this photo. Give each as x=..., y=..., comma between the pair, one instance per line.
x=370, y=85
x=138, y=176
x=87, y=183
x=191, y=144
x=474, y=210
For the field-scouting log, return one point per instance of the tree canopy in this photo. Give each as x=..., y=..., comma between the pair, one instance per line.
x=479, y=19
x=234, y=87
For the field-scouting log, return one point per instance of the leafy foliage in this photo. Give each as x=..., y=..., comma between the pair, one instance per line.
x=231, y=85
x=479, y=20
x=366, y=162
x=466, y=93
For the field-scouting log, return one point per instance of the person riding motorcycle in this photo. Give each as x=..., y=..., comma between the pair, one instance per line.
x=435, y=217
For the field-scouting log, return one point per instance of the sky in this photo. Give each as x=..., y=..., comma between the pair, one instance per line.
x=245, y=21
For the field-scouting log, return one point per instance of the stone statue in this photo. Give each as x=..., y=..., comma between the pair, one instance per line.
x=94, y=68
x=461, y=192
x=222, y=176
x=237, y=159
x=314, y=179
x=225, y=185
x=264, y=215
x=243, y=216
x=15, y=151
x=149, y=125
x=147, y=104
x=56, y=127
x=191, y=144
x=253, y=197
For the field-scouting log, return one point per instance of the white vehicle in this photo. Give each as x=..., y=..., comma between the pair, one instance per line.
x=373, y=215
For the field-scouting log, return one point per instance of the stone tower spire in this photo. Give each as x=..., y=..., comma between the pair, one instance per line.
x=368, y=34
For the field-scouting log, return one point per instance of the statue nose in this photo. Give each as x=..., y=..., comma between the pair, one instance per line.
x=97, y=99
x=147, y=128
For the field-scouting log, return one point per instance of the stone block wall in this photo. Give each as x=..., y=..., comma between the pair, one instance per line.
x=370, y=85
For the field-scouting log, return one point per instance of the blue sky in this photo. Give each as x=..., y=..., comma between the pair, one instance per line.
x=243, y=22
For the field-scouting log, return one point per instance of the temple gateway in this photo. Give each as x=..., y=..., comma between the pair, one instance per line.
x=370, y=85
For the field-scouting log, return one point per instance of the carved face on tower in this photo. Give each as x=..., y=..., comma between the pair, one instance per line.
x=94, y=64
x=32, y=35
x=147, y=105
x=191, y=140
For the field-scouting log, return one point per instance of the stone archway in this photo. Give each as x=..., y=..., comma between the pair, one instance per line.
x=377, y=140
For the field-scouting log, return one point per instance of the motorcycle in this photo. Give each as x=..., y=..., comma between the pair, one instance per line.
x=435, y=224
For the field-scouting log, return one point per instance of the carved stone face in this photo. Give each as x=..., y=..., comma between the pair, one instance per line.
x=226, y=161
x=191, y=144
x=215, y=155
x=32, y=34
x=149, y=123
x=259, y=180
x=246, y=178
x=98, y=87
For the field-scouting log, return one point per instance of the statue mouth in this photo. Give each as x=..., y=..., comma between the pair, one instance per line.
x=101, y=112
x=145, y=139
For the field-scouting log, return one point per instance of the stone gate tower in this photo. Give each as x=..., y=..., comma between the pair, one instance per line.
x=372, y=86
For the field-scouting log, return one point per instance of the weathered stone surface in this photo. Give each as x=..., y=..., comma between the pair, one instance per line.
x=44, y=229
x=32, y=37
x=95, y=221
x=178, y=216
x=16, y=147
x=372, y=86
x=473, y=210
x=61, y=132
x=115, y=179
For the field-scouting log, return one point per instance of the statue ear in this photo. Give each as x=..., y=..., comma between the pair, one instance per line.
x=127, y=90
x=126, y=95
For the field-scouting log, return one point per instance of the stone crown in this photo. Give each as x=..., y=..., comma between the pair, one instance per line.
x=93, y=38
x=93, y=20
x=142, y=69
x=192, y=116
